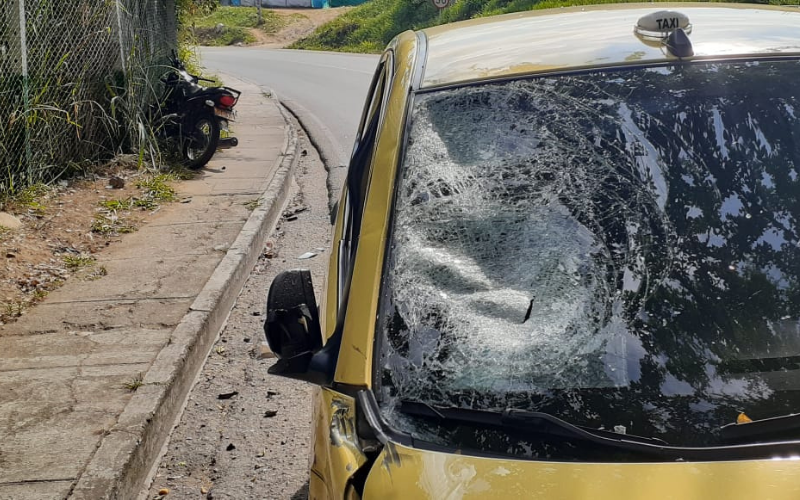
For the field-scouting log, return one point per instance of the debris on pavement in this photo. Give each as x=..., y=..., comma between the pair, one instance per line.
x=227, y=395
x=247, y=430
x=307, y=255
x=262, y=351
x=290, y=214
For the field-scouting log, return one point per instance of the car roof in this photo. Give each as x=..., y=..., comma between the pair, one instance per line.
x=598, y=36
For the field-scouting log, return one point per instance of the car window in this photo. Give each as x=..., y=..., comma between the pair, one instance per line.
x=358, y=176
x=617, y=248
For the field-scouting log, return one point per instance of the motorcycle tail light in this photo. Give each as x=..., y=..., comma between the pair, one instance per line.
x=227, y=101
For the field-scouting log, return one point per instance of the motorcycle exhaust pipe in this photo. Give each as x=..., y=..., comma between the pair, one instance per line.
x=227, y=142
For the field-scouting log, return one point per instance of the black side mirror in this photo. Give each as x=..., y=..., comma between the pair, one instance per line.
x=293, y=329
x=292, y=326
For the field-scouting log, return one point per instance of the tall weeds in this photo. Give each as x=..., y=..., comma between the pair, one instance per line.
x=92, y=71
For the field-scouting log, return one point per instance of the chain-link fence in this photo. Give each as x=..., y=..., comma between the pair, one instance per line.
x=75, y=76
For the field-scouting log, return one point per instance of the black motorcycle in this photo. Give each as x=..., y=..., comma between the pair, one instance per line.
x=194, y=116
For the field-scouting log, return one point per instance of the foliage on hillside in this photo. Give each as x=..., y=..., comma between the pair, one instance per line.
x=187, y=11
x=369, y=27
x=237, y=24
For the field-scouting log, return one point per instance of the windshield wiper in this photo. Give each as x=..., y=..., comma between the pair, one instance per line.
x=534, y=423
x=768, y=427
x=548, y=425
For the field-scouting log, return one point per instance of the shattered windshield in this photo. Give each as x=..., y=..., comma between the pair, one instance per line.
x=619, y=249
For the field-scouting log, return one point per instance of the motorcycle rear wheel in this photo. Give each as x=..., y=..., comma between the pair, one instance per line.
x=201, y=142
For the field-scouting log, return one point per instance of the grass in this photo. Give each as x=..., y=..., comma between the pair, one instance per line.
x=13, y=309
x=157, y=188
x=110, y=225
x=96, y=274
x=30, y=195
x=75, y=262
x=182, y=173
x=134, y=384
x=252, y=204
x=29, y=198
x=116, y=204
x=145, y=203
x=372, y=25
x=237, y=23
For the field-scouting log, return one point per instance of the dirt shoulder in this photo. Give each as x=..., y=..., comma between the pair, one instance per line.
x=244, y=433
x=299, y=23
x=62, y=227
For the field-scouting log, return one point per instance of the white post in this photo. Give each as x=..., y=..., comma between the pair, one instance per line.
x=26, y=99
x=121, y=41
x=23, y=43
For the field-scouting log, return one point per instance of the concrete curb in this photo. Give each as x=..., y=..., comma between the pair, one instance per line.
x=123, y=461
x=320, y=137
x=323, y=141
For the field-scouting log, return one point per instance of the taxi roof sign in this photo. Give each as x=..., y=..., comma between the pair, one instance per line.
x=659, y=25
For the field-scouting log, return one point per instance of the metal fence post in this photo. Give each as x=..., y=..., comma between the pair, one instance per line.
x=26, y=99
x=121, y=41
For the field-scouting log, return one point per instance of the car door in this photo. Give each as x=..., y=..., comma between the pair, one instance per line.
x=335, y=454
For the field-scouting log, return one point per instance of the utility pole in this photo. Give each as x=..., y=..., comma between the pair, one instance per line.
x=260, y=17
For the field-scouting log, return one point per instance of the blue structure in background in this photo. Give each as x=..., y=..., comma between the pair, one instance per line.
x=315, y=4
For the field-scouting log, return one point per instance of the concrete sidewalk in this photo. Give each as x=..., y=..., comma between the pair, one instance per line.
x=69, y=427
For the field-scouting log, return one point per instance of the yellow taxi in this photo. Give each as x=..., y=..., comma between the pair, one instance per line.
x=566, y=264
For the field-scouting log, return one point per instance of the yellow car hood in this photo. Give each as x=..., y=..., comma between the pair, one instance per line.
x=406, y=473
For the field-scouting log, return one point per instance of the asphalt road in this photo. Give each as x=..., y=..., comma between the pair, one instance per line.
x=325, y=89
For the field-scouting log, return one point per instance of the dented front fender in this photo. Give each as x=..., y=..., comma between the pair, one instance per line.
x=336, y=454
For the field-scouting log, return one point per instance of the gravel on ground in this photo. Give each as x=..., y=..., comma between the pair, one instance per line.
x=244, y=433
